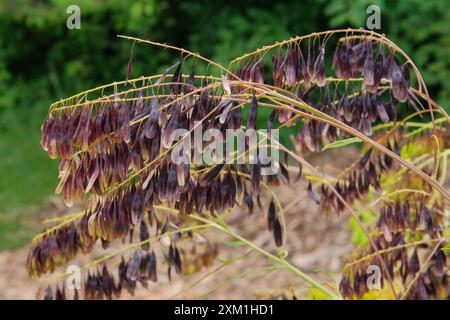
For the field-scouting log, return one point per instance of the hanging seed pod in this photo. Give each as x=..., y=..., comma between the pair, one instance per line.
x=364, y=159
x=133, y=266
x=249, y=202
x=189, y=87
x=378, y=71
x=149, y=129
x=252, y=113
x=244, y=72
x=414, y=264
x=177, y=260
x=381, y=110
x=359, y=51
x=107, y=281
x=342, y=61
x=170, y=128
x=83, y=130
x=319, y=68
x=177, y=79
x=308, y=137
x=76, y=295
x=384, y=227
x=308, y=68
x=144, y=236
x=271, y=216
x=235, y=119
x=290, y=67
x=48, y=294
x=277, y=70
x=124, y=119
x=311, y=194
x=225, y=110
x=171, y=187
x=60, y=294
x=256, y=178
x=440, y=261
x=151, y=267
x=399, y=85
x=211, y=175
x=303, y=67
x=345, y=288
x=137, y=206
x=369, y=66
x=299, y=174
x=257, y=72
x=95, y=171
x=277, y=233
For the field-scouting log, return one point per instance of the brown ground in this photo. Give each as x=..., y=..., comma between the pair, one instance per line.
x=314, y=242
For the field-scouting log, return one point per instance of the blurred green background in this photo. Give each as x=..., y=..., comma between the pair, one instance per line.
x=42, y=61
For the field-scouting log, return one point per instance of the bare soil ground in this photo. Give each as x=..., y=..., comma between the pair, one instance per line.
x=315, y=242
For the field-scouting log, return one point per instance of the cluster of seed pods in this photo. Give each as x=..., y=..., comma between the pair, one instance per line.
x=366, y=173
x=56, y=248
x=412, y=219
x=300, y=68
x=141, y=268
x=114, y=151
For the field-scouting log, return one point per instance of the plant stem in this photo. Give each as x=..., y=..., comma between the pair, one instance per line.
x=272, y=257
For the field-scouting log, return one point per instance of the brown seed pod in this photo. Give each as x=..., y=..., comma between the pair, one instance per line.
x=277, y=233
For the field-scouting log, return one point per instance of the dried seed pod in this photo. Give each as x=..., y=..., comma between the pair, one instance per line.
x=133, y=266
x=249, y=202
x=211, y=175
x=137, y=206
x=303, y=67
x=359, y=52
x=369, y=66
x=170, y=128
x=277, y=233
x=48, y=294
x=149, y=129
x=144, y=236
x=312, y=194
x=177, y=78
x=151, y=267
x=124, y=120
x=227, y=105
x=319, y=68
x=400, y=89
x=290, y=67
x=271, y=216
x=414, y=263
x=440, y=261
x=177, y=260
x=107, y=283
x=257, y=72
x=308, y=68
x=277, y=70
x=252, y=113
x=381, y=111
x=343, y=56
x=378, y=71
x=345, y=288
x=76, y=295
x=256, y=178
x=364, y=159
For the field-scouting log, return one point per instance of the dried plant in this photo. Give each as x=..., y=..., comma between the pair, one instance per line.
x=110, y=142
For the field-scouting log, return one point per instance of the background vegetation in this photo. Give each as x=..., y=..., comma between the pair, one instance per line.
x=42, y=61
